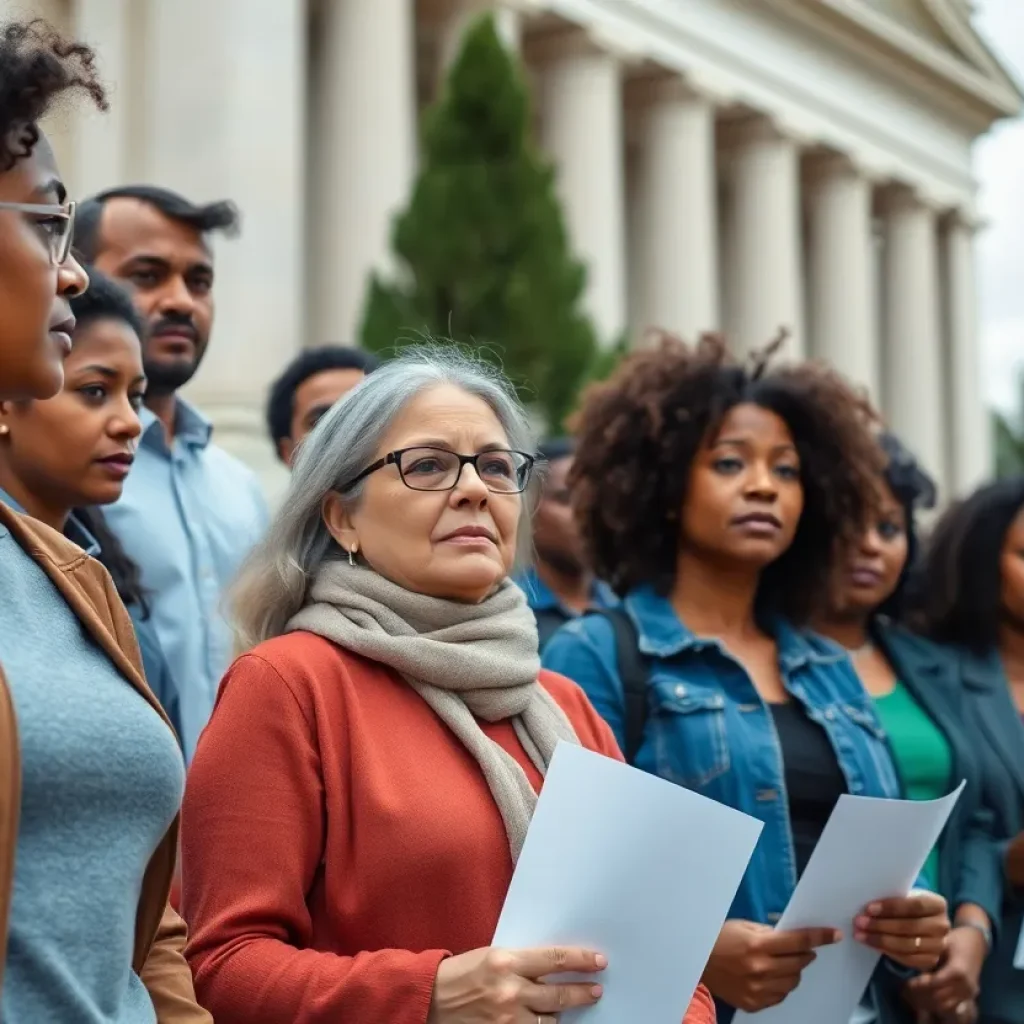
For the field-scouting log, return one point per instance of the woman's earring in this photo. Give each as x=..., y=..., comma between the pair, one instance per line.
x=351, y=557
x=4, y=430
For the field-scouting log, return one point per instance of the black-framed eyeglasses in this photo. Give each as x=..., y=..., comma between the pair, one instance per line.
x=56, y=221
x=438, y=469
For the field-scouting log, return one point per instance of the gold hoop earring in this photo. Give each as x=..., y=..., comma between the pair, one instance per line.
x=4, y=430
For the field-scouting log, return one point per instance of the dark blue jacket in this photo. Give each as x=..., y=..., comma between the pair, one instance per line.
x=1000, y=744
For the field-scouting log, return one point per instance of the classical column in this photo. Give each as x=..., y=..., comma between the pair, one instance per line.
x=970, y=440
x=766, y=287
x=843, y=300
x=458, y=15
x=912, y=387
x=674, y=216
x=581, y=110
x=363, y=153
x=101, y=141
x=224, y=99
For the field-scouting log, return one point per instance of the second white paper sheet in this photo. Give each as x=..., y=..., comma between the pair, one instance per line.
x=869, y=849
x=631, y=866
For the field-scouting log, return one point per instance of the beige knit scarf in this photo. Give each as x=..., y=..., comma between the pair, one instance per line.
x=467, y=661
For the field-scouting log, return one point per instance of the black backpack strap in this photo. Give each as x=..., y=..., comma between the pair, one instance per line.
x=632, y=668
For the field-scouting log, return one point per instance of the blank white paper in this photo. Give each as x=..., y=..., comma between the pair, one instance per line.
x=632, y=866
x=870, y=849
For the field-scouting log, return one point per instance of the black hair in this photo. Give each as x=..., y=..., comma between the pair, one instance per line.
x=640, y=431
x=112, y=556
x=106, y=300
x=38, y=66
x=914, y=490
x=555, y=448
x=308, y=363
x=219, y=216
x=956, y=598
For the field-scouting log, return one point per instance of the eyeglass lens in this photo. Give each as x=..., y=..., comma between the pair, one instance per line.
x=435, y=469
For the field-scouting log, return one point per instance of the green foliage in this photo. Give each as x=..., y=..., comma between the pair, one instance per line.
x=482, y=251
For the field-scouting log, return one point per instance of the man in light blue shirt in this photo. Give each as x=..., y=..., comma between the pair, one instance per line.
x=190, y=512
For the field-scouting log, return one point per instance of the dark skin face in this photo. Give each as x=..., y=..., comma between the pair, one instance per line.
x=1011, y=564
x=34, y=294
x=76, y=448
x=313, y=397
x=744, y=498
x=869, y=576
x=168, y=268
x=555, y=533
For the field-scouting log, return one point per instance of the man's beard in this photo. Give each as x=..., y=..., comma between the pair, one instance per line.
x=165, y=378
x=563, y=562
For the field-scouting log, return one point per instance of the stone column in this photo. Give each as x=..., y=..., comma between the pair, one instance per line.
x=581, y=111
x=912, y=388
x=225, y=119
x=363, y=152
x=843, y=299
x=766, y=287
x=460, y=14
x=100, y=154
x=674, y=194
x=971, y=458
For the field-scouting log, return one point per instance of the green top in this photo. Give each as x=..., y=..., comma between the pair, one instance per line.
x=923, y=757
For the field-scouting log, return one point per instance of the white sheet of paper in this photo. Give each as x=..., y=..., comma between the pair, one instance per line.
x=632, y=866
x=1018, y=958
x=869, y=849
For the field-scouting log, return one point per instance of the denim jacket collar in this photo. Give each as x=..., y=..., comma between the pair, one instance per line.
x=661, y=634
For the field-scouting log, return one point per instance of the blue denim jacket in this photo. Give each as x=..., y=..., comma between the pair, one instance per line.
x=709, y=730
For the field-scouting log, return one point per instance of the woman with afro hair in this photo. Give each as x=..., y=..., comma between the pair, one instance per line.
x=91, y=775
x=711, y=495
x=969, y=595
x=917, y=687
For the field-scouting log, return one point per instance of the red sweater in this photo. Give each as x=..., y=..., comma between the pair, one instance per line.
x=339, y=842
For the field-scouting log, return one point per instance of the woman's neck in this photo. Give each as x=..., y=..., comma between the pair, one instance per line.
x=54, y=515
x=1011, y=650
x=712, y=600
x=850, y=632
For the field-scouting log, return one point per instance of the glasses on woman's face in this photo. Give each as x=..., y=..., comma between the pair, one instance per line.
x=56, y=224
x=438, y=469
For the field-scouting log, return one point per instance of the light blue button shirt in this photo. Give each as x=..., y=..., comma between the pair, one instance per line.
x=189, y=515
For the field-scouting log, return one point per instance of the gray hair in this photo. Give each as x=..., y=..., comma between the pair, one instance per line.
x=273, y=583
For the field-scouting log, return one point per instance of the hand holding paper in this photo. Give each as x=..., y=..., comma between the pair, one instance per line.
x=837, y=886
x=633, y=866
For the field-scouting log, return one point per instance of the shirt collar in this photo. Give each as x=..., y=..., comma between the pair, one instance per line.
x=191, y=427
x=74, y=528
x=542, y=598
x=661, y=634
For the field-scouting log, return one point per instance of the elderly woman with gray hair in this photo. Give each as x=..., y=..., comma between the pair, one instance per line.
x=357, y=803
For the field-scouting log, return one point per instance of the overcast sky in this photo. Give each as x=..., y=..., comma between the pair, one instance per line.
x=1000, y=166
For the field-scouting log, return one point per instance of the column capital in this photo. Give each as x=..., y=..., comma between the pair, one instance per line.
x=742, y=131
x=966, y=218
x=655, y=84
x=574, y=40
x=820, y=168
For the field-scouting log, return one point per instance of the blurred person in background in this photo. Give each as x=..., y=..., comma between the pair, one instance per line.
x=918, y=693
x=310, y=384
x=712, y=494
x=384, y=635
x=190, y=512
x=970, y=595
x=91, y=776
x=559, y=586
x=61, y=458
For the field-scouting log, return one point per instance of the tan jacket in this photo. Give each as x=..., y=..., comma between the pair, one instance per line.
x=159, y=932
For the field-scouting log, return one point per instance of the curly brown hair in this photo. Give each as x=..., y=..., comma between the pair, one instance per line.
x=638, y=434
x=38, y=65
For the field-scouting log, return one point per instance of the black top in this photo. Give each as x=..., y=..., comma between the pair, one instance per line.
x=814, y=780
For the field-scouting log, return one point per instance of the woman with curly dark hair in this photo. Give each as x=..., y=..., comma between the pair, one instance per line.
x=918, y=694
x=969, y=595
x=90, y=773
x=711, y=495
